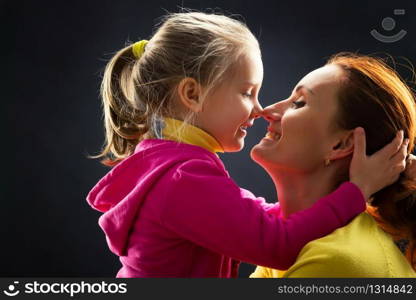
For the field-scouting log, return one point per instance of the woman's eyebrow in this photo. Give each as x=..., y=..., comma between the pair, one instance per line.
x=304, y=87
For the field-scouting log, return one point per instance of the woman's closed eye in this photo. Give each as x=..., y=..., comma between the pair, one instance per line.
x=298, y=104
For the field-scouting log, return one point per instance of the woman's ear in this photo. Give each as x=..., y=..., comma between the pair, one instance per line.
x=343, y=147
x=189, y=93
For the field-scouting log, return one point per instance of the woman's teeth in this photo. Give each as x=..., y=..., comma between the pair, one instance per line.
x=273, y=135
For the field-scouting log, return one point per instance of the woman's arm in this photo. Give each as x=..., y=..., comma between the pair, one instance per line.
x=263, y=272
x=328, y=263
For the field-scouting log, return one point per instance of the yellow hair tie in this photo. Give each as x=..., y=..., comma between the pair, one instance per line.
x=138, y=48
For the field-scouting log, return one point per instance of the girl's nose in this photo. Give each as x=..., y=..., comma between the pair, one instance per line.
x=271, y=113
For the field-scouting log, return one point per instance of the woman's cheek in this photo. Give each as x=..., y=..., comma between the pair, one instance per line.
x=299, y=131
x=290, y=125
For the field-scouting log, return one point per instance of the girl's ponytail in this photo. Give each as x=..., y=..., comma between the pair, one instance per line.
x=125, y=123
x=139, y=88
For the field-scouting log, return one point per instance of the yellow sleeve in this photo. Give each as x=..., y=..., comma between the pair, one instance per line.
x=320, y=261
x=360, y=249
x=261, y=272
x=317, y=260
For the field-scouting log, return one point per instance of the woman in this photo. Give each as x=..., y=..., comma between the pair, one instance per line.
x=307, y=152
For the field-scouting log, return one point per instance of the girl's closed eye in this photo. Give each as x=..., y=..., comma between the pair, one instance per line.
x=248, y=94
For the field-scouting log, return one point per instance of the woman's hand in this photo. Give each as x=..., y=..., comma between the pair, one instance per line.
x=374, y=172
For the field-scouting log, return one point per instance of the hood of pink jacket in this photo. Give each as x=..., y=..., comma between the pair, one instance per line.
x=120, y=193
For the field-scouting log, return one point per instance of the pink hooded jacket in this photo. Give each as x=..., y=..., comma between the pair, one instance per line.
x=172, y=210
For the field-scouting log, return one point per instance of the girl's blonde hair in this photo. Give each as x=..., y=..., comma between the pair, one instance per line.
x=138, y=92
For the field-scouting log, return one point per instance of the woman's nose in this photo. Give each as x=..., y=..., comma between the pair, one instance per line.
x=271, y=113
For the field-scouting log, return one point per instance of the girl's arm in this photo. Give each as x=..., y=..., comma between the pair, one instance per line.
x=206, y=207
x=270, y=207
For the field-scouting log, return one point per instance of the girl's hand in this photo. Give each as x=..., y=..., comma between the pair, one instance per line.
x=372, y=173
x=410, y=171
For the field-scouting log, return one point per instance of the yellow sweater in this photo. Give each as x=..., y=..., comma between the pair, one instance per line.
x=360, y=249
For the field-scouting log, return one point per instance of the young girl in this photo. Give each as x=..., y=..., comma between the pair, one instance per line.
x=170, y=208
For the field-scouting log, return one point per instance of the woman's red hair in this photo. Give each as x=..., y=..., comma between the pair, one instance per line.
x=373, y=96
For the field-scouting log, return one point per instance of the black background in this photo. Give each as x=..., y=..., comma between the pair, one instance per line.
x=53, y=53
